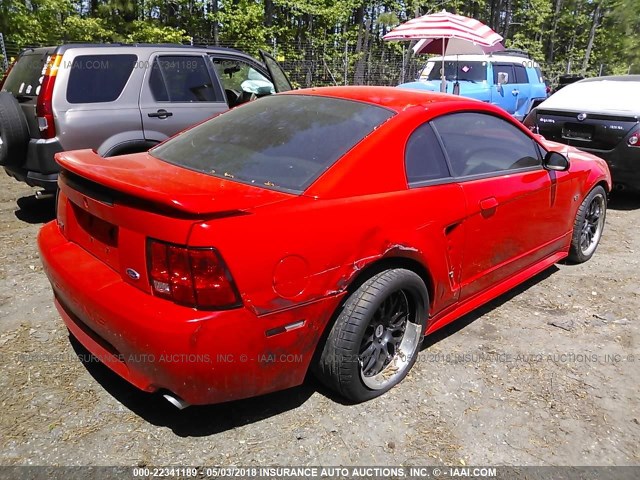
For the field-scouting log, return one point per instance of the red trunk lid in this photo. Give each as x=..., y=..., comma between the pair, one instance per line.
x=111, y=207
x=167, y=186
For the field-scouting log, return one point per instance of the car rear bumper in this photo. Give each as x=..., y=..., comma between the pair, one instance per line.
x=200, y=356
x=624, y=164
x=33, y=179
x=39, y=168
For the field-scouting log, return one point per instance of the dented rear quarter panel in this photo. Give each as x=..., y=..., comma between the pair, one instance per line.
x=359, y=212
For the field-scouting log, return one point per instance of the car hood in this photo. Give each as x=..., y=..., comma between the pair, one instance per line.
x=604, y=96
x=176, y=188
x=466, y=88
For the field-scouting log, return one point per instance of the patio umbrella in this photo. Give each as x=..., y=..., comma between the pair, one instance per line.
x=447, y=33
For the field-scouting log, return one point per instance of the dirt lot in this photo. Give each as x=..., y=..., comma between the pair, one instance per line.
x=546, y=375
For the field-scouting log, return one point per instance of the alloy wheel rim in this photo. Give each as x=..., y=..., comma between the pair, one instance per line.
x=390, y=341
x=592, y=226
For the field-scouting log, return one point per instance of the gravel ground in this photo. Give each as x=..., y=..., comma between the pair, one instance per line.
x=545, y=375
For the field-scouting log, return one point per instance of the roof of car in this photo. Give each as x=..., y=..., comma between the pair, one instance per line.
x=613, y=78
x=497, y=57
x=391, y=97
x=152, y=46
x=613, y=94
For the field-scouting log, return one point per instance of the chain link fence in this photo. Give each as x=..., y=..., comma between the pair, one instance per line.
x=316, y=65
x=8, y=52
x=336, y=63
x=311, y=65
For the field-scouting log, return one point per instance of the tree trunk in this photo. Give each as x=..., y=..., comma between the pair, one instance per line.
x=592, y=36
x=552, y=35
x=268, y=13
x=215, y=26
x=358, y=76
x=507, y=19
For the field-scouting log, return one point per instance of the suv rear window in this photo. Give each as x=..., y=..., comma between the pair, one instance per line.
x=98, y=78
x=26, y=75
x=282, y=142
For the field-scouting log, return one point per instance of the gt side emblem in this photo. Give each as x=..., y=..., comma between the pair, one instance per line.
x=132, y=274
x=582, y=116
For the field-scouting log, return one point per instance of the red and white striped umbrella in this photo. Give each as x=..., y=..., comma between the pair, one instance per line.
x=447, y=33
x=445, y=25
x=453, y=46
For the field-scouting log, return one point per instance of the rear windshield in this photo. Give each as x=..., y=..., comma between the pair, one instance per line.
x=26, y=75
x=283, y=142
x=456, y=70
x=98, y=78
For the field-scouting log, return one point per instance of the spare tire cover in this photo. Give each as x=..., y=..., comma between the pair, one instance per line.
x=14, y=131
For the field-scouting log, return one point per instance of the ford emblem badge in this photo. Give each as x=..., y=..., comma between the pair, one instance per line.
x=132, y=274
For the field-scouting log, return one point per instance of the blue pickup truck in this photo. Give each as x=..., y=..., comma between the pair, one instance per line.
x=513, y=82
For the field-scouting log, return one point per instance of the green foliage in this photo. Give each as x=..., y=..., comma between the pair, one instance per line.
x=87, y=29
x=145, y=31
x=338, y=37
x=243, y=24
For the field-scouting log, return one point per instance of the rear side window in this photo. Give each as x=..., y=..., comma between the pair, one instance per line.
x=182, y=79
x=424, y=159
x=26, y=75
x=521, y=74
x=98, y=78
x=539, y=74
x=282, y=142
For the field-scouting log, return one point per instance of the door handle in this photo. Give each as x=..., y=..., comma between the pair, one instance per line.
x=515, y=92
x=162, y=113
x=488, y=205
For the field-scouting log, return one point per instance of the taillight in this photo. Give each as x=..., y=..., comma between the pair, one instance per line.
x=196, y=277
x=44, y=108
x=634, y=139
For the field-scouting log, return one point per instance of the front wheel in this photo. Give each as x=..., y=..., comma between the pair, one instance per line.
x=588, y=225
x=376, y=338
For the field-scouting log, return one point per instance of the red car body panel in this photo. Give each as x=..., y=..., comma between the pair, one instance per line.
x=292, y=257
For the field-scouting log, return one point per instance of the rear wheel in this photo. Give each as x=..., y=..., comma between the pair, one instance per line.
x=588, y=225
x=375, y=340
x=14, y=131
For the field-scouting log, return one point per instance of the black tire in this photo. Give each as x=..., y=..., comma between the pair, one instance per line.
x=14, y=131
x=367, y=330
x=588, y=225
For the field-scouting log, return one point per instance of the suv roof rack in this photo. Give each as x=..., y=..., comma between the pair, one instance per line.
x=66, y=45
x=516, y=52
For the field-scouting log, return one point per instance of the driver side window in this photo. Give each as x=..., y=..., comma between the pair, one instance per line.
x=241, y=82
x=479, y=143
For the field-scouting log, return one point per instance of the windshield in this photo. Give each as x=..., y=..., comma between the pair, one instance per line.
x=283, y=142
x=456, y=70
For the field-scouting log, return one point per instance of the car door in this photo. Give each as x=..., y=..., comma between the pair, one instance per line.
x=523, y=88
x=516, y=210
x=278, y=77
x=242, y=80
x=442, y=229
x=179, y=90
x=504, y=95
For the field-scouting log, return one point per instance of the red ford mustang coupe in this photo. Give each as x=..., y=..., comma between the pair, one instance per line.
x=329, y=228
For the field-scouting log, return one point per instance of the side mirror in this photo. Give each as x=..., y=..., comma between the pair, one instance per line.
x=555, y=161
x=503, y=77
